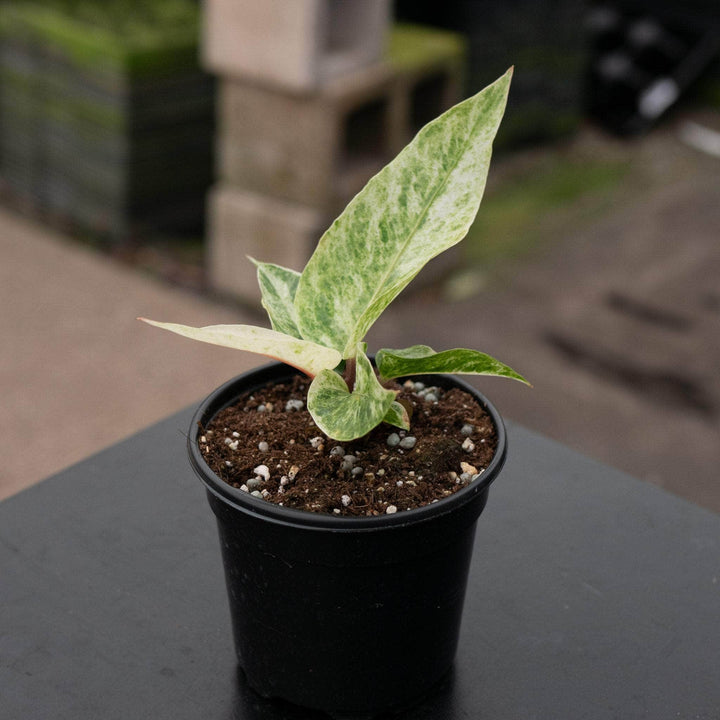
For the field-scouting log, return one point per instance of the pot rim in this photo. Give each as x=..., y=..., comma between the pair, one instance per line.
x=227, y=393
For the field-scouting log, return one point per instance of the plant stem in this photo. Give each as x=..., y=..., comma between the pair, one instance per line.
x=349, y=374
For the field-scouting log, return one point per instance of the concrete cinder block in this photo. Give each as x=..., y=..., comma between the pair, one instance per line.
x=297, y=45
x=316, y=149
x=289, y=162
x=320, y=148
x=271, y=230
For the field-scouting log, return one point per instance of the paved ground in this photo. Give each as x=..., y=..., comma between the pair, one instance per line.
x=77, y=371
x=617, y=323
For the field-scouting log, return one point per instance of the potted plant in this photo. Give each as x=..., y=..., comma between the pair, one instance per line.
x=346, y=494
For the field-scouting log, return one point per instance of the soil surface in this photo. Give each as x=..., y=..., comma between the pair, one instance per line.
x=267, y=444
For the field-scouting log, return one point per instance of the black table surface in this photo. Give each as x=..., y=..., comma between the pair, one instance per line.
x=592, y=595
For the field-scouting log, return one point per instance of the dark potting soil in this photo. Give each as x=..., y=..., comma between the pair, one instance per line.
x=268, y=444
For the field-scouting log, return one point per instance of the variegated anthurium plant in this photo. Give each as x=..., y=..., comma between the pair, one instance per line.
x=420, y=204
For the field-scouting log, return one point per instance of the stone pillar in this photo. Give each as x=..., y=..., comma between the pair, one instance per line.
x=313, y=100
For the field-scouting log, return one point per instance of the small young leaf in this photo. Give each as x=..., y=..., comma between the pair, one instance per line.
x=419, y=205
x=343, y=415
x=278, y=285
x=306, y=356
x=398, y=416
x=423, y=360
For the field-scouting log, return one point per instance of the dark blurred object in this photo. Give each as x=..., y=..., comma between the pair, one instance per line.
x=645, y=56
x=106, y=120
x=541, y=38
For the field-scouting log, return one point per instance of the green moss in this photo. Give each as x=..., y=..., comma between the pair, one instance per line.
x=517, y=213
x=414, y=46
x=129, y=37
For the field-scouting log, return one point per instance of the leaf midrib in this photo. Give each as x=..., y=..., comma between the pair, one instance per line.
x=419, y=221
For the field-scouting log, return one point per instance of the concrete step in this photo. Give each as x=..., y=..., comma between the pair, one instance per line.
x=294, y=46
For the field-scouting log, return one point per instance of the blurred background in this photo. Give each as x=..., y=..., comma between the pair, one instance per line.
x=146, y=148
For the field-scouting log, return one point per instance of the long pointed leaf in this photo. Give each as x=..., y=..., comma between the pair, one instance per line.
x=302, y=354
x=423, y=360
x=421, y=204
x=343, y=415
x=278, y=285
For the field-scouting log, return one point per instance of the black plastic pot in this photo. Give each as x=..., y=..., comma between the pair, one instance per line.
x=352, y=616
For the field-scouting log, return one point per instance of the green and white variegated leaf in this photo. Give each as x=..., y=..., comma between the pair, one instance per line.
x=309, y=357
x=398, y=416
x=343, y=415
x=419, y=205
x=423, y=360
x=278, y=285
